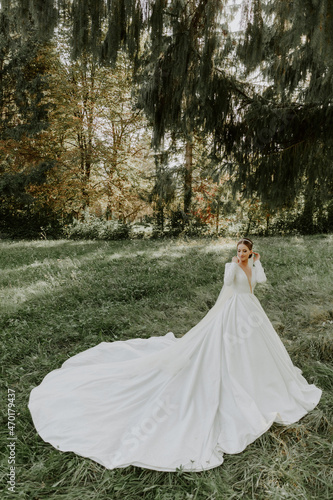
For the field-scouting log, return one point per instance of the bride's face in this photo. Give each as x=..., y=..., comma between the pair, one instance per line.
x=243, y=252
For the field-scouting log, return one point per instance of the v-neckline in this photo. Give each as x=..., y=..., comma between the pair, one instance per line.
x=249, y=280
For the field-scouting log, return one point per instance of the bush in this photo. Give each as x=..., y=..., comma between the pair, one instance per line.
x=29, y=225
x=93, y=228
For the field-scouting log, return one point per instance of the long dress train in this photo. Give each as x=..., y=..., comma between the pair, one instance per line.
x=165, y=403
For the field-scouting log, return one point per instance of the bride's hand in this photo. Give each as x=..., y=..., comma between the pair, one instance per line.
x=256, y=256
x=235, y=259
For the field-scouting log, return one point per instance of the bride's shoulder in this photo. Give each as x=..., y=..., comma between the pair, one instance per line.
x=231, y=266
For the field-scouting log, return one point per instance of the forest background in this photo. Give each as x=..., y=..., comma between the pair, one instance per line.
x=161, y=117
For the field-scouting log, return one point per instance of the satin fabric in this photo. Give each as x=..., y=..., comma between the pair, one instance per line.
x=165, y=403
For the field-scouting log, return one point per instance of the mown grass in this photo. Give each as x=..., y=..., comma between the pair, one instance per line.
x=58, y=298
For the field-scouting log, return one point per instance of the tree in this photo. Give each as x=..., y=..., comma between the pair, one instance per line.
x=182, y=93
x=24, y=117
x=99, y=139
x=278, y=137
x=286, y=142
x=163, y=192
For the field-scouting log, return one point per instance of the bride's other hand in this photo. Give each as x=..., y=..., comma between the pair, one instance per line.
x=256, y=256
x=235, y=259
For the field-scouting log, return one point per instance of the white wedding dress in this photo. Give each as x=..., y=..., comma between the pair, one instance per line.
x=165, y=403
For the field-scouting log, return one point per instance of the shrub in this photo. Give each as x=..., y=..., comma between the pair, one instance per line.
x=93, y=228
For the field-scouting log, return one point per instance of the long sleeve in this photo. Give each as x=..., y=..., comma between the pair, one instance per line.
x=260, y=273
x=229, y=272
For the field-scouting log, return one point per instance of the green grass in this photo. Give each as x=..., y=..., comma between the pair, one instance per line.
x=58, y=298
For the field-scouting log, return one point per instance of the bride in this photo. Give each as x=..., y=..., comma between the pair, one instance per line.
x=165, y=403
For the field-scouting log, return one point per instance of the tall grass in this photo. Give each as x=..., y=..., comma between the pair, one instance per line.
x=58, y=298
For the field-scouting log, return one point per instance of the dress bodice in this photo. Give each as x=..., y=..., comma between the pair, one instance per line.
x=236, y=277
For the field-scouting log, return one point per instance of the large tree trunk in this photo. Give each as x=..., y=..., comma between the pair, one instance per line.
x=188, y=179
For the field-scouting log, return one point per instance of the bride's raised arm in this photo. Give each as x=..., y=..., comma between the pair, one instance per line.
x=260, y=273
x=229, y=272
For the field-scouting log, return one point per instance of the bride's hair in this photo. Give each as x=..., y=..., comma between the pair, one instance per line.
x=247, y=242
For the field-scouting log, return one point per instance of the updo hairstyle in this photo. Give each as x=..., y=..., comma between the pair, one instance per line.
x=247, y=242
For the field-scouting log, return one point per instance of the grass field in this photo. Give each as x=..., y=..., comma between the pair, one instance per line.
x=58, y=298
